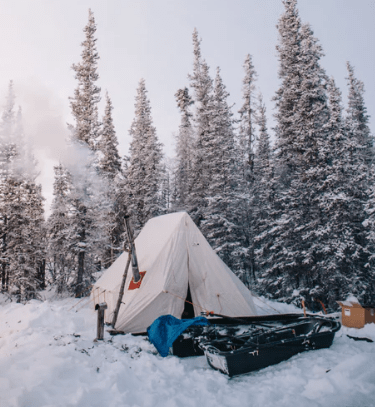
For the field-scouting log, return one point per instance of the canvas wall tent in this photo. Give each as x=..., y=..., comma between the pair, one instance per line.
x=176, y=256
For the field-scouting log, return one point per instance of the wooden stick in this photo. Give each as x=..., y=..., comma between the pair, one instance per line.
x=121, y=293
x=129, y=233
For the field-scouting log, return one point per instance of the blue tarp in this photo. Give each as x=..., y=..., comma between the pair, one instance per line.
x=166, y=329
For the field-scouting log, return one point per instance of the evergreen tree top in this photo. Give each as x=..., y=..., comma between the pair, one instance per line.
x=289, y=32
x=87, y=94
x=89, y=53
x=356, y=104
x=110, y=162
x=357, y=119
x=8, y=115
x=183, y=99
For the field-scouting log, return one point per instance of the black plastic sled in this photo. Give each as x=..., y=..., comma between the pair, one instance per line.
x=240, y=345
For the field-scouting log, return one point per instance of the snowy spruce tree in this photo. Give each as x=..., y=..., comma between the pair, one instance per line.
x=357, y=122
x=246, y=148
x=86, y=97
x=294, y=265
x=87, y=238
x=144, y=172
x=222, y=212
x=166, y=188
x=276, y=241
x=59, y=232
x=110, y=161
x=202, y=85
x=7, y=153
x=246, y=136
x=361, y=182
x=262, y=187
x=22, y=213
x=184, y=151
x=337, y=252
x=113, y=207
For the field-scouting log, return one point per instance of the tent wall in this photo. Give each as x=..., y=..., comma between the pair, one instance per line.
x=174, y=253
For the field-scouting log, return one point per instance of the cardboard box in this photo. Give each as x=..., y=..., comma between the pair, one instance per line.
x=355, y=315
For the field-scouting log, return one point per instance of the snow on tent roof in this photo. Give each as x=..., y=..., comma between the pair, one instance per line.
x=175, y=255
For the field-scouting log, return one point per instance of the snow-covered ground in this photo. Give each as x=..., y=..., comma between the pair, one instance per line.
x=48, y=358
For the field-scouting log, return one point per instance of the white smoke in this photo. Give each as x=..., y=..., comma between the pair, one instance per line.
x=45, y=117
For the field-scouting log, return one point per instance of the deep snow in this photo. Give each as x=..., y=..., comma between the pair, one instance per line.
x=48, y=358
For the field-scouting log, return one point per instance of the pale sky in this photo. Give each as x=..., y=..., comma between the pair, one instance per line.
x=40, y=40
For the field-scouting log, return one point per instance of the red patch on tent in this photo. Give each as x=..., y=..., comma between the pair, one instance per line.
x=133, y=285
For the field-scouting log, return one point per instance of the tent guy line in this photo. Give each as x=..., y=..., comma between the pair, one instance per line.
x=189, y=302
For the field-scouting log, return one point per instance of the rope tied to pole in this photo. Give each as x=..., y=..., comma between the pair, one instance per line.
x=87, y=298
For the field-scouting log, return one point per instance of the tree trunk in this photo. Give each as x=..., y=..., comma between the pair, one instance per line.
x=42, y=274
x=4, y=265
x=3, y=276
x=81, y=254
x=81, y=267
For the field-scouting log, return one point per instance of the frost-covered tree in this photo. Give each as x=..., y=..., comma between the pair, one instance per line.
x=87, y=94
x=246, y=148
x=263, y=159
x=184, y=151
x=87, y=238
x=22, y=202
x=144, y=172
x=166, y=189
x=247, y=119
x=360, y=181
x=276, y=241
x=357, y=121
x=7, y=153
x=113, y=209
x=338, y=254
x=294, y=266
x=109, y=160
x=59, y=231
x=201, y=83
x=369, y=224
x=262, y=189
x=222, y=213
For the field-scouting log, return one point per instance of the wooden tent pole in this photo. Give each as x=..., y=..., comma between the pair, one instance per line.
x=129, y=232
x=121, y=293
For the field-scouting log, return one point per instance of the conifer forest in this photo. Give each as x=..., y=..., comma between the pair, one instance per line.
x=290, y=208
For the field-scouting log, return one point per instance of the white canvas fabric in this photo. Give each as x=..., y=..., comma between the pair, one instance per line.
x=175, y=255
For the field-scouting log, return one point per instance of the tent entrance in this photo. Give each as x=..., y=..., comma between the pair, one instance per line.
x=188, y=312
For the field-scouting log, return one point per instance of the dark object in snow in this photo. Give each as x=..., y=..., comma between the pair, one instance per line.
x=356, y=338
x=100, y=326
x=115, y=332
x=251, y=343
x=166, y=329
x=220, y=326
